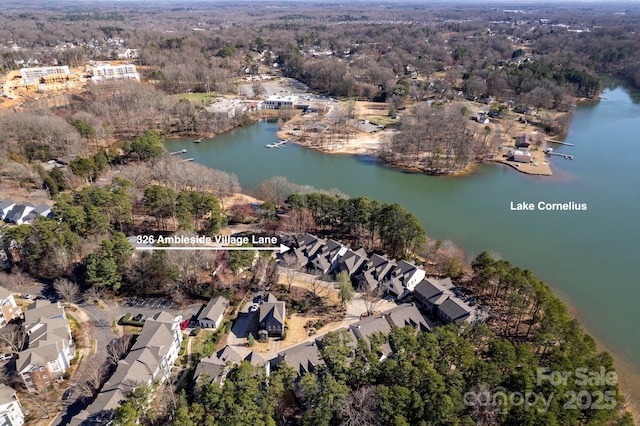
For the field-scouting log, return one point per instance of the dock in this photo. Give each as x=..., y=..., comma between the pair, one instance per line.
x=198, y=140
x=559, y=142
x=187, y=159
x=567, y=156
x=178, y=152
x=279, y=144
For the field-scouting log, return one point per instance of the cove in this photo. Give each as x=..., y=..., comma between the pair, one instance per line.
x=588, y=256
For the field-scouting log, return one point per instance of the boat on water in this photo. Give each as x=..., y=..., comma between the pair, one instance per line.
x=198, y=140
x=271, y=145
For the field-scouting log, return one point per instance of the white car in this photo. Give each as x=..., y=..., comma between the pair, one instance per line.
x=254, y=307
x=5, y=357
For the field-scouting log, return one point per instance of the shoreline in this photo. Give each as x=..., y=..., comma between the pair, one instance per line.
x=628, y=375
x=367, y=151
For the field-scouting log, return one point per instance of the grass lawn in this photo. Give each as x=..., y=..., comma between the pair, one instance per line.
x=197, y=97
x=382, y=120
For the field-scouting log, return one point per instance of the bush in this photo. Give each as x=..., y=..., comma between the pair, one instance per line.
x=126, y=320
x=197, y=330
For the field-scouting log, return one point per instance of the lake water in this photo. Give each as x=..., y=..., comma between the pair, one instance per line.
x=588, y=257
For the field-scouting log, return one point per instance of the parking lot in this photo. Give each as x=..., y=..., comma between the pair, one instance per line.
x=152, y=302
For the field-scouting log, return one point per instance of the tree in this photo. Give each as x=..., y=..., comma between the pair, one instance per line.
x=93, y=374
x=372, y=299
x=118, y=348
x=67, y=290
x=298, y=222
x=346, y=288
x=275, y=189
x=14, y=336
x=258, y=89
x=146, y=146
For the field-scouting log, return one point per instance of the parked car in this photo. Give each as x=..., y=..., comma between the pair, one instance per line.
x=139, y=317
x=184, y=325
x=254, y=307
x=26, y=296
x=257, y=299
x=5, y=357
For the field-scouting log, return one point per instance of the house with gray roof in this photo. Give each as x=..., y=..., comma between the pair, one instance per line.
x=5, y=207
x=43, y=210
x=404, y=277
x=213, y=314
x=353, y=262
x=11, y=413
x=272, y=316
x=216, y=367
x=430, y=293
x=49, y=347
x=455, y=310
x=376, y=270
x=19, y=213
x=326, y=260
x=150, y=359
x=303, y=358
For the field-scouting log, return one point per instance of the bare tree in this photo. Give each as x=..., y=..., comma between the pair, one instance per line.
x=290, y=263
x=118, y=348
x=298, y=222
x=95, y=293
x=93, y=374
x=14, y=336
x=360, y=408
x=67, y=290
x=318, y=287
x=372, y=299
x=42, y=402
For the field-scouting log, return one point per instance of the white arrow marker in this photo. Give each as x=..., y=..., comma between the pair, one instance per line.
x=281, y=249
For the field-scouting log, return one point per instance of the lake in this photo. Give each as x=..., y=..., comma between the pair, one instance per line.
x=588, y=257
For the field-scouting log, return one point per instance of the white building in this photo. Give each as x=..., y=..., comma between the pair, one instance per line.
x=50, y=346
x=8, y=308
x=149, y=360
x=280, y=102
x=32, y=76
x=10, y=409
x=114, y=72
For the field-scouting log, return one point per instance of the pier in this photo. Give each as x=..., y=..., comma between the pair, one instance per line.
x=559, y=142
x=187, y=159
x=567, y=156
x=178, y=152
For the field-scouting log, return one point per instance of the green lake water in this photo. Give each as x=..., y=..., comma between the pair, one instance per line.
x=589, y=257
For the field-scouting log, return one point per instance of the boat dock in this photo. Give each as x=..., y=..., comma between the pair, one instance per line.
x=559, y=142
x=567, y=156
x=178, y=152
x=198, y=140
x=276, y=145
x=187, y=159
